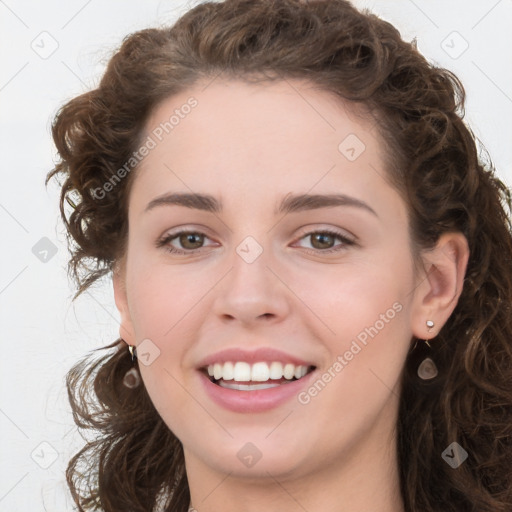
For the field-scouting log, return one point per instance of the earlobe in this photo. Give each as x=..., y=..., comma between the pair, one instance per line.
x=441, y=285
x=126, y=331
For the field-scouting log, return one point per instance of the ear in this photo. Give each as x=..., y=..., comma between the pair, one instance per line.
x=126, y=331
x=440, y=284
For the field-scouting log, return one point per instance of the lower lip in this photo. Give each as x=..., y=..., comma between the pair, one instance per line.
x=253, y=401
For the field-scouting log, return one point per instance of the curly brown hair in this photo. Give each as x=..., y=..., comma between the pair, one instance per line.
x=135, y=461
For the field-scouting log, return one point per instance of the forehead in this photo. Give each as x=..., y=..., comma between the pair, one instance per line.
x=252, y=139
x=227, y=113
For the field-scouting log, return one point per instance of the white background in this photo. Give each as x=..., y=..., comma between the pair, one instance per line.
x=42, y=333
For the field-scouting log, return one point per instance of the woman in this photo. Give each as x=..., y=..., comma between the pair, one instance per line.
x=311, y=265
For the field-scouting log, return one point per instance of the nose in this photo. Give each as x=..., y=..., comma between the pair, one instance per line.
x=252, y=293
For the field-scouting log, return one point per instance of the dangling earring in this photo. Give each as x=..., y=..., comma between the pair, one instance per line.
x=427, y=370
x=132, y=351
x=132, y=377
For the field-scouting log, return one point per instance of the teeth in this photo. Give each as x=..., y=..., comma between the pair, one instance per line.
x=246, y=387
x=217, y=371
x=228, y=371
x=276, y=370
x=260, y=372
x=289, y=371
x=241, y=371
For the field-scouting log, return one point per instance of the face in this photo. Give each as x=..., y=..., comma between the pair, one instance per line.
x=232, y=296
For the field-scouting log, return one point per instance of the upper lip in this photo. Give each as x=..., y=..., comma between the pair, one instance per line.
x=252, y=356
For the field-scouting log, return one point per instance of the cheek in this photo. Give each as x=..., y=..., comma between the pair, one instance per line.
x=162, y=298
x=365, y=326
x=366, y=354
x=161, y=315
x=349, y=300
x=166, y=305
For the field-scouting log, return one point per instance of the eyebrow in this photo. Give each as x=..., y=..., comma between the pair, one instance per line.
x=196, y=201
x=290, y=204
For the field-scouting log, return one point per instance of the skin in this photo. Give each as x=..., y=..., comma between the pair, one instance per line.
x=250, y=146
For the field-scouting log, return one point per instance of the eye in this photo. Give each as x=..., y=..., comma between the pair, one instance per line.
x=324, y=241
x=189, y=242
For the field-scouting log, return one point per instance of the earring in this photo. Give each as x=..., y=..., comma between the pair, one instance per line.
x=427, y=370
x=132, y=378
x=132, y=349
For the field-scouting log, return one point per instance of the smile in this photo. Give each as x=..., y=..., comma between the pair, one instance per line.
x=251, y=381
x=243, y=376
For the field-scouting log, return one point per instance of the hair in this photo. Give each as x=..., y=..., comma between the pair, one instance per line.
x=433, y=160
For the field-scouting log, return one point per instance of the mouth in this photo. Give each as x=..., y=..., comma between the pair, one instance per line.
x=244, y=376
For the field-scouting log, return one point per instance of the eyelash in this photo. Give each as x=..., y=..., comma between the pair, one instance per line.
x=164, y=242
